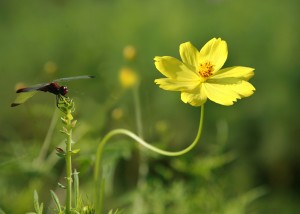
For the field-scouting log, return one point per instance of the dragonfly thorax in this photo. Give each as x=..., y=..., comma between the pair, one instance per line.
x=63, y=90
x=54, y=88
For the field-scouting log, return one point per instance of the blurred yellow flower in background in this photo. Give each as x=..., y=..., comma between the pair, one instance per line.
x=199, y=75
x=50, y=67
x=129, y=52
x=20, y=85
x=128, y=78
x=117, y=113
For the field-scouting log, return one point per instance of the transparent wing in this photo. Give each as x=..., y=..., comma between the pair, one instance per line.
x=32, y=88
x=66, y=79
x=23, y=97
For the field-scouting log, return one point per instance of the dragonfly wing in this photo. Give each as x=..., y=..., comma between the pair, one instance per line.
x=23, y=97
x=32, y=88
x=66, y=79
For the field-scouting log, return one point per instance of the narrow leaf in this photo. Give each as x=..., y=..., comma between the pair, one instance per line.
x=75, y=151
x=60, y=155
x=76, y=187
x=36, y=202
x=61, y=186
x=56, y=201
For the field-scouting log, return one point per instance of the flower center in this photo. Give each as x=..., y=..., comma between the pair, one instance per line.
x=206, y=69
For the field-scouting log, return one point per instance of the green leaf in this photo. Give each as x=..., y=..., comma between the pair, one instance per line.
x=56, y=201
x=76, y=188
x=38, y=208
x=75, y=151
x=64, y=120
x=41, y=208
x=60, y=155
x=113, y=212
x=64, y=130
x=61, y=186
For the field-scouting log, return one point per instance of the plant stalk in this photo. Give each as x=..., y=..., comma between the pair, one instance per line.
x=97, y=171
x=69, y=170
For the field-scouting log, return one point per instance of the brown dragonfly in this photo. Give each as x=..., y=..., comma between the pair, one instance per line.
x=52, y=87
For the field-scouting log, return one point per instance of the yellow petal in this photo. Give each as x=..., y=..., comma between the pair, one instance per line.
x=240, y=86
x=189, y=54
x=226, y=91
x=197, y=97
x=214, y=51
x=174, y=69
x=175, y=85
x=239, y=72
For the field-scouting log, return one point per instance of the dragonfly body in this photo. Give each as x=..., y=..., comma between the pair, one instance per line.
x=53, y=87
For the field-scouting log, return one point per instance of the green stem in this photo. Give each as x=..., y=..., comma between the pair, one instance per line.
x=138, y=113
x=67, y=106
x=141, y=142
x=69, y=170
x=43, y=152
x=138, y=203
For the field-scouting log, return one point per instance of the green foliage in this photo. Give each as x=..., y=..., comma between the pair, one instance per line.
x=175, y=192
x=37, y=206
x=114, y=212
x=56, y=201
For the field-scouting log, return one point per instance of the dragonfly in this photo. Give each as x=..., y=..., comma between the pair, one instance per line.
x=52, y=87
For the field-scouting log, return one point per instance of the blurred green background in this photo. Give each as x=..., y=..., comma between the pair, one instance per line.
x=248, y=158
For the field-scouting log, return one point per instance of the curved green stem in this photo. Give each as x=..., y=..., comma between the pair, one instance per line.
x=143, y=143
x=100, y=182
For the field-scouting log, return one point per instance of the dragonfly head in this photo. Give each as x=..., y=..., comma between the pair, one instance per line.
x=63, y=90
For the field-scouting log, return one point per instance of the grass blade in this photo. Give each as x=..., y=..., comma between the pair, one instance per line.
x=56, y=201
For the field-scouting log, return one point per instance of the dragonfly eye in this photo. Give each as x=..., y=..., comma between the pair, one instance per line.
x=63, y=90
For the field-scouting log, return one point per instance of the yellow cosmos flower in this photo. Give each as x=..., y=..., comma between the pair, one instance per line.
x=199, y=75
